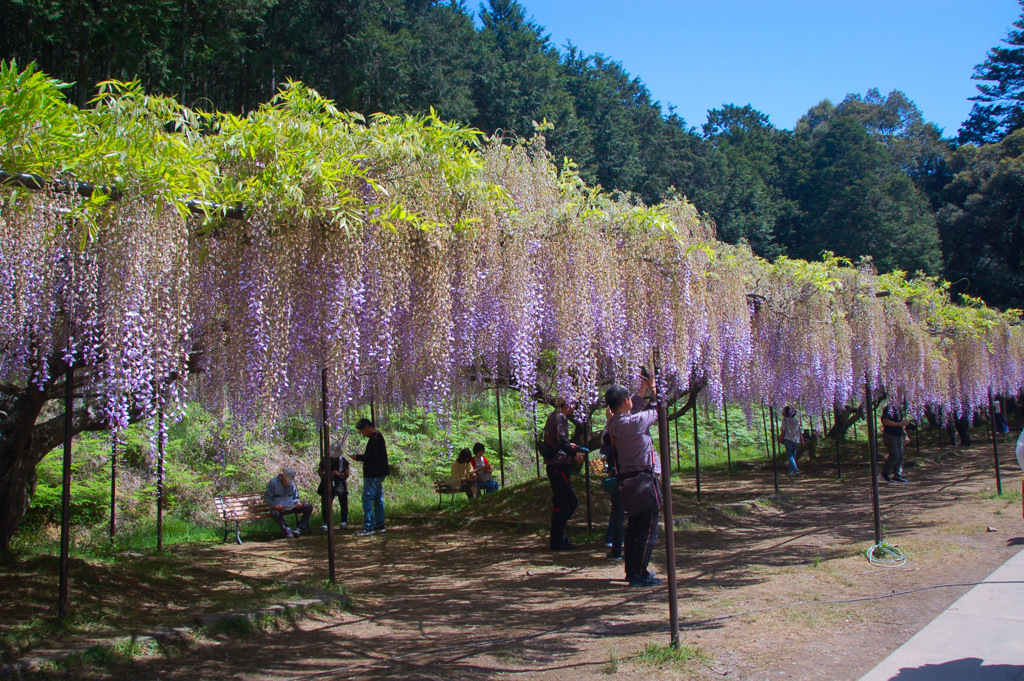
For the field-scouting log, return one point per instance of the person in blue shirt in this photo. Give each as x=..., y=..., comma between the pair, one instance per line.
x=282, y=496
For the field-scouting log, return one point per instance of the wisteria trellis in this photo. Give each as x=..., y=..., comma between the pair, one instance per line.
x=433, y=262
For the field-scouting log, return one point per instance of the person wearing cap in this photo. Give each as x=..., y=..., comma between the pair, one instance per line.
x=282, y=496
x=629, y=432
x=560, y=455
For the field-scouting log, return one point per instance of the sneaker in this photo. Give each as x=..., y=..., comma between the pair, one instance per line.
x=608, y=544
x=794, y=472
x=565, y=545
x=323, y=527
x=342, y=526
x=899, y=478
x=886, y=477
x=296, y=532
x=648, y=580
x=380, y=530
x=614, y=556
x=364, y=533
x=289, y=534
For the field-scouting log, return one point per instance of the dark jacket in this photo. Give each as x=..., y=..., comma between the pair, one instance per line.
x=556, y=437
x=375, y=459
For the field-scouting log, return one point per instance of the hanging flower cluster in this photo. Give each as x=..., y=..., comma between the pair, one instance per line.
x=410, y=262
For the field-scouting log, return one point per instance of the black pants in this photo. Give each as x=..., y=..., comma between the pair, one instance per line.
x=563, y=501
x=641, y=536
x=894, y=463
x=341, y=494
x=305, y=510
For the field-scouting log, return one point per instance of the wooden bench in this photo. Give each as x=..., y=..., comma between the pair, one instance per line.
x=442, y=487
x=235, y=508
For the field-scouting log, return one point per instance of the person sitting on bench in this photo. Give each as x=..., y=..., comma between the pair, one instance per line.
x=482, y=467
x=463, y=476
x=282, y=497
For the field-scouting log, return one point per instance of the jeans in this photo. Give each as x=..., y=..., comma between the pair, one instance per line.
x=305, y=510
x=893, y=464
x=641, y=536
x=488, y=486
x=616, y=525
x=791, y=453
x=373, y=503
x=563, y=502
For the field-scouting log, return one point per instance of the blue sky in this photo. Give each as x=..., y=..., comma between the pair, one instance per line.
x=784, y=56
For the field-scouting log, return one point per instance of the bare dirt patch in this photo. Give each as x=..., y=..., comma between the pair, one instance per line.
x=778, y=589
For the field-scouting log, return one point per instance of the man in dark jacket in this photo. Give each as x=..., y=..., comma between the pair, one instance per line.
x=560, y=456
x=375, y=469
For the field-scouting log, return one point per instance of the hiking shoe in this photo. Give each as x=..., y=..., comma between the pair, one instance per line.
x=899, y=478
x=614, y=556
x=296, y=532
x=886, y=477
x=364, y=533
x=648, y=580
x=379, y=530
x=342, y=526
x=289, y=534
x=564, y=545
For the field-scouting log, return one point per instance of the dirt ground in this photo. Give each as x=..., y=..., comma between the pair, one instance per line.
x=779, y=589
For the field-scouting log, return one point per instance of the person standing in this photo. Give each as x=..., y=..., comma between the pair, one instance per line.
x=282, y=496
x=629, y=429
x=792, y=436
x=560, y=455
x=375, y=469
x=616, y=516
x=894, y=434
x=338, y=476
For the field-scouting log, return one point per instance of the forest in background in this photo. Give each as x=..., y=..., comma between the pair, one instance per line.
x=868, y=175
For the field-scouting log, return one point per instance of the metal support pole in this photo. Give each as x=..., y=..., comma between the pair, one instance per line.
x=775, y=448
x=696, y=449
x=869, y=415
x=728, y=448
x=536, y=441
x=670, y=539
x=764, y=422
x=373, y=411
x=679, y=462
x=325, y=462
x=160, y=480
x=501, y=448
x=586, y=478
x=839, y=464
x=113, y=488
x=995, y=443
x=65, y=505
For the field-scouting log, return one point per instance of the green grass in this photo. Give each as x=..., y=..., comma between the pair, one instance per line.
x=660, y=656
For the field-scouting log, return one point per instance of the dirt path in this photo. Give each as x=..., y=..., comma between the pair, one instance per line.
x=483, y=603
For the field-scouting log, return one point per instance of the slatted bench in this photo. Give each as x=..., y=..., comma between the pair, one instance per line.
x=236, y=508
x=442, y=487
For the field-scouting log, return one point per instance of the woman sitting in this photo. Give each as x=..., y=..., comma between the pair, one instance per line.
x=482, y=468
x=463, y=476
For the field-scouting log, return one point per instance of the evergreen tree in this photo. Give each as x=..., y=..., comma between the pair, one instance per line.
x=1000, y=103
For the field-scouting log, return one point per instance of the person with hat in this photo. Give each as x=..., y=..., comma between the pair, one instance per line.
x=282, y=496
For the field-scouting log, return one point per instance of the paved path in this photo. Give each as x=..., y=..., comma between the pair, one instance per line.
x=978, y=638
